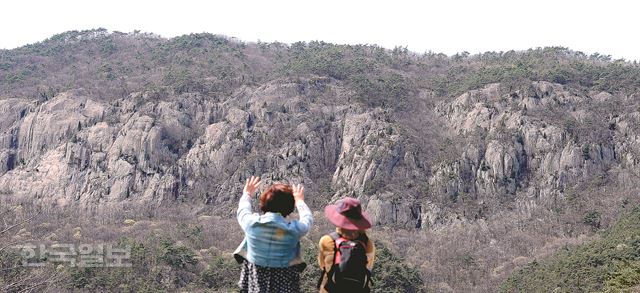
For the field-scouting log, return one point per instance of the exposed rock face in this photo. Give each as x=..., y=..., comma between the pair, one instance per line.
x=13, y=111
x=76, y=151
x=531, y=151
x=153, y=148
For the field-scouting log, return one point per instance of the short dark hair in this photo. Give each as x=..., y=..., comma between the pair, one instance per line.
x=278, y=198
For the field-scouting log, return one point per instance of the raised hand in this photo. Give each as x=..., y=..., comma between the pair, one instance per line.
x=298, y=193
x=252, y=185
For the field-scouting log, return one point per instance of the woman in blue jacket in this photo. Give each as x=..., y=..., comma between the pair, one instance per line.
x=272, y=240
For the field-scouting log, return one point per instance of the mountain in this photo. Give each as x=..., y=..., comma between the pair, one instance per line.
x=489, y=160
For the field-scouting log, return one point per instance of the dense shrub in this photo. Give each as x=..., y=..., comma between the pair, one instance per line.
x=611, y=263
x=222, y=273
x=392, y=274
x=177, y=256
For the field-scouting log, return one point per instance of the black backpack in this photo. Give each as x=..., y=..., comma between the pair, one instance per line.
x=349, y=271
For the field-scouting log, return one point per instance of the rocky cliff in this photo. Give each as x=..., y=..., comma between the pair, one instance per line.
x=422, y=142
x=518, y=148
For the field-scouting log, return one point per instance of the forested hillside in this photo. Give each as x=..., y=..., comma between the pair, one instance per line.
x=610, y=263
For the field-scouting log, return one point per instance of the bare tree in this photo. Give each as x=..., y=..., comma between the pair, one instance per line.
x=14, y=276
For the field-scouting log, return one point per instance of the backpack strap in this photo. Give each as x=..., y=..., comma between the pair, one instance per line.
x=334, y=236
x=337, y=239
x=364, y=239
x=369, y=282
x=322, y=272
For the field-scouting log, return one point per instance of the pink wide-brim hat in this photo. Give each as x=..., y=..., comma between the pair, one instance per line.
x=347, y=213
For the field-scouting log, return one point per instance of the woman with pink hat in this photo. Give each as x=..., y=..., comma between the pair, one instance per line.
x=346, y=255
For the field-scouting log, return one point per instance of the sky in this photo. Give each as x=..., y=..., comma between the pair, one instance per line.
x=452, y=26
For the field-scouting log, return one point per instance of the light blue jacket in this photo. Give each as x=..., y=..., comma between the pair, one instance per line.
x=271, y=239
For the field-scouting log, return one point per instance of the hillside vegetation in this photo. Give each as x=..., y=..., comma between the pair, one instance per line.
x=111, y=65
x=611, y=263
x=169, y=253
